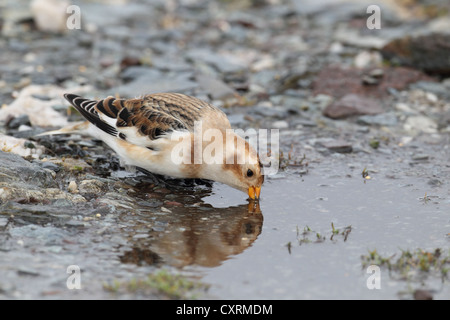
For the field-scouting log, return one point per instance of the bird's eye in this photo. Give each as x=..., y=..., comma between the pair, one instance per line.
x=249, y=173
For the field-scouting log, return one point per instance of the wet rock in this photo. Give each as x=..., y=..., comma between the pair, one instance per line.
x=159, y=83
x=13, y=17
x=220, y=62
x=262, y=81
x=352, y=37
x=418, y=124
x=62, y=203
x=49, y=165
x=152, y=203
x=16, y=122
x=352, y=105
x=265, y=62
x=367, y=80
x=291, y=79
x=300, y=123
x=134, y=72
x=3, y=222
x=117, y=201
x=421, y=294
x=14, y=168
x=427, y=52
x=339, y=146
x=71, y=164
x=330, y=12
x=290, y=102
x=435, y=182
x=420, y=157
x=387, y=119
x=281, y=124
x=405, y=108
x=216, y=88
x=165, y=210
x=41, y=97
x=24, y=271
x=269, y=111
x=367, y=59
x=237, y=119
x=28, y=182
x=376, y=73
x=98, y=15
x=25, y=194
x=174, y=63
x=91, y=186
x=444, y=122
x=436, y=88
x=373, y=77
x=322, y=101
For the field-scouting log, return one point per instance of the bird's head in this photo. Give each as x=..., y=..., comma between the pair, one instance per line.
x=246, y=177
x=241, y=168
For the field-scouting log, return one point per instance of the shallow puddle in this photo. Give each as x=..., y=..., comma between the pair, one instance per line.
x=304, y=240
x=296, y=255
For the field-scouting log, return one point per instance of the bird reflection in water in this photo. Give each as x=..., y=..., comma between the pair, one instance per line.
x=197, y=235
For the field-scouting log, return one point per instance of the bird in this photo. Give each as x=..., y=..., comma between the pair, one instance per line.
x=164, y=133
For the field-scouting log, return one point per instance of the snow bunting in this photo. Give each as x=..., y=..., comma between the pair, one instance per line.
x=164, y=134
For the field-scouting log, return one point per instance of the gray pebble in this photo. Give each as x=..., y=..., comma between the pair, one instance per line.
x=420, y=157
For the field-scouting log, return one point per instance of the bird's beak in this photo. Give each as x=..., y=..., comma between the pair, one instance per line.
x=253, y=192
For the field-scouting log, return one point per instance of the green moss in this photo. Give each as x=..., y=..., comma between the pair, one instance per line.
x=411, y=263
x=77, y=169
x=291, y=160
x=173, y=286
x=310, y=236
x=29, y=145
x=374, y=143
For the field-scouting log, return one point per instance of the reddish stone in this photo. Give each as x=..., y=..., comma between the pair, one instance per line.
x=352, y=105
x=173, y=203
x=338, y=82
x=128, y=62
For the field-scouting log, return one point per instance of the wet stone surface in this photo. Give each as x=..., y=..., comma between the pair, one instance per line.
x=364, y=150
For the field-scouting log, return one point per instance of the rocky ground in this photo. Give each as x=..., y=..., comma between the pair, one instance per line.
x=312, y=69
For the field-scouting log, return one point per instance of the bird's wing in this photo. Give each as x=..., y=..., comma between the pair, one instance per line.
x=144, y=120
x=87, y=109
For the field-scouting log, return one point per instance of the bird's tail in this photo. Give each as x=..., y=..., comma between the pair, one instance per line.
x=79, y=127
